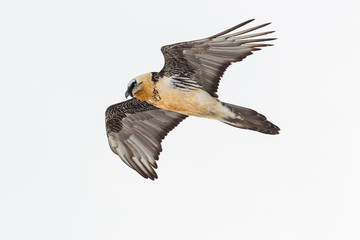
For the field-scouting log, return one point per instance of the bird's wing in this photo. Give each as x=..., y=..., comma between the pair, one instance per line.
x=135, y=130
x=203, y=62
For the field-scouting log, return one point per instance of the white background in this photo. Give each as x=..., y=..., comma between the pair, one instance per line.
x=62, y=63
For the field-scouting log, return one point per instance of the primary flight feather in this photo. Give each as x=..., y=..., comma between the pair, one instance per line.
x=186, y=86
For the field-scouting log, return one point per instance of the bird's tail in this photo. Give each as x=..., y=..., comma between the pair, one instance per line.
x=249, y=119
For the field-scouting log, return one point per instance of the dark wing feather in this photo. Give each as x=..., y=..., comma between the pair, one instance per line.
x=206, y=60
x=135, y=130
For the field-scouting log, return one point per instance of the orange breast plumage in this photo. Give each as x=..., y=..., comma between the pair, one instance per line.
x=196, y=102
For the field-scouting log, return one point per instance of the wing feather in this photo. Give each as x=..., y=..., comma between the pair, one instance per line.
x=205, y=61
x=135, y=130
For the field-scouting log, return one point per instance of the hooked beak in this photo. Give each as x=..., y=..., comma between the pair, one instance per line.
x=128, y=92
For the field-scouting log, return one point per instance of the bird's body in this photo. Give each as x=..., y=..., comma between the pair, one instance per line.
x=186, y=86
x=165, y=95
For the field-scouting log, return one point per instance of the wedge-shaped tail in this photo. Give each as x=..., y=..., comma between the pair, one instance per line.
x=250, y=119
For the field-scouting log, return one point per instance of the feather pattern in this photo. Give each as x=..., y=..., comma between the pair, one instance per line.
x=185, y=83
x=135, y=130
x=204, y=61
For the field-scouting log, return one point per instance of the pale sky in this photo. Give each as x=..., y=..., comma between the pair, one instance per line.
x=62, y=63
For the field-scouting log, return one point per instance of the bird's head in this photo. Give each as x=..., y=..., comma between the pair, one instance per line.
x=133, y=87
x=141, y=87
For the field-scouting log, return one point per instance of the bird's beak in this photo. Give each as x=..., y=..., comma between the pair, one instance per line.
x=127, y=93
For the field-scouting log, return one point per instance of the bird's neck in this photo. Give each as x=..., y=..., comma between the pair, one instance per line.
x=146, y=91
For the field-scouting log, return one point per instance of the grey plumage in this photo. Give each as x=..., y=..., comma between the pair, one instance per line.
x=206, y=60
x=135, y=130
x=250, y=119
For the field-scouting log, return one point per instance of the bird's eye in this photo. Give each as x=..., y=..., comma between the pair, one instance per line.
x=132, y=85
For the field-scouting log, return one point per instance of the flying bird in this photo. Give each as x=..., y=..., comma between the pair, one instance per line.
x=186, y=86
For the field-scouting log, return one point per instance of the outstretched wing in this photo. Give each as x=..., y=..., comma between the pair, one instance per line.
x=135, y=130
x=204, y=61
